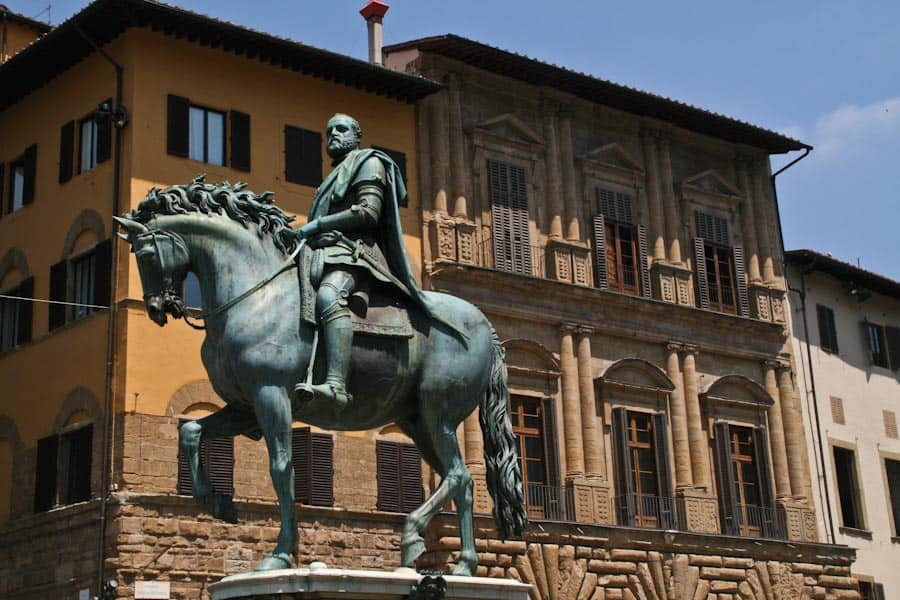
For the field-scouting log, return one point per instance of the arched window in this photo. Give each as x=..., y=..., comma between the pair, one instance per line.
x=15, y=315
x=80, y=282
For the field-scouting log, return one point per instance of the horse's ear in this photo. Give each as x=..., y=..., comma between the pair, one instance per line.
x=133, y=227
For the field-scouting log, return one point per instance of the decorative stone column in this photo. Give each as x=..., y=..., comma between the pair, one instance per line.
x=439, y=140
x=776, y=432
x=793, y=430
x=673, y=224
x=554, y=187
x=678, y=414
x=574, y=446
x=474, y=452
x=748, y=222
x=764, y=217
x=567, y=163
x=696, y=437
x=657, y=244
x=457, y=149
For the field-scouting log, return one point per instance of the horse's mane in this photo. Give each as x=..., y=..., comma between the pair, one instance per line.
x=239, y=204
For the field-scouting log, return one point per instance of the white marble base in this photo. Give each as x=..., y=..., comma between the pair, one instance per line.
x=322, y=583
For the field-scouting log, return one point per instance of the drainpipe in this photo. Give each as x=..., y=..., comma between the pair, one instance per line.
x=823, y=487
x=119, y=120
x=373, y=13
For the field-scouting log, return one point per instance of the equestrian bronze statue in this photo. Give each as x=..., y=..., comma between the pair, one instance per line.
x=326, y=325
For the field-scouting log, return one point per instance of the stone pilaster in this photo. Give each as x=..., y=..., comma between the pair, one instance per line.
x=567, y=164
x=554, y=186
x=776, y=432
x=670, y=205
x=657, y=244
x=438, y=137
x=474, y=453
x=457, y=150
x=763, y=214
x=748, y=221
x=574, y=445
x=793, y=431
x=594, y=464
x=696, y=436
x=678, y=414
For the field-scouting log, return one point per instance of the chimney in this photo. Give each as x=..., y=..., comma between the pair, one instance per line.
x=373, y=13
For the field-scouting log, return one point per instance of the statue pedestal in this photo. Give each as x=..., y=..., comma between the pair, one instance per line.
x=346, y=584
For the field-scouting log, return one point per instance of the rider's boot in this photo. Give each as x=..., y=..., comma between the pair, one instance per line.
x=338, y=337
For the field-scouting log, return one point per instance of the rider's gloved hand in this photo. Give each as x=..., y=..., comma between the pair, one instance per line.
x=310, y=229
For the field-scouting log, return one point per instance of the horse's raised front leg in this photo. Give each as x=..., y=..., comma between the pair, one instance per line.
x=227, y=422
x=273, y=412
x=439, y=447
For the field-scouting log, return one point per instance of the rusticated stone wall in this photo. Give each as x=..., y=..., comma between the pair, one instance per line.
x=615, y=563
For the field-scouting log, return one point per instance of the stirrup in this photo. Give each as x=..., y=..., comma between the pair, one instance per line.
x=330, y=391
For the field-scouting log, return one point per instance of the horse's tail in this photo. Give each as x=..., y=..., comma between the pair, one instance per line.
x=504, y=472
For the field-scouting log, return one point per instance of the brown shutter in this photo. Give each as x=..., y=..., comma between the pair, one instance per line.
x=644, y=262
x=300, y=460
x=104, y=135
x=501, y=215
x=625, y=500
x=58, y=279
x=520, y=225
x=725, y=480
x=740, y=276
x=770, y=522
x=387, y=456
x=220, y=464
x=102, y=273
x=551, y=444
x=66, y=151
x=412, y=494
x=78, y=465
x=601, y=273
x=45, y=473
x=321, y=492
x=302, y=156
x=663, y=475
x=30, y=174
x=892, y=335
x=700, y=273
x=184, y=485
x=178, y=126
x=25, y=308
x=240, y=140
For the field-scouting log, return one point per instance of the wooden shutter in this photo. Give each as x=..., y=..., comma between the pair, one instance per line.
x=892, y=336
x=725, y=480
x=78, y=464
x=178, y=126
x=66, y=151
x=45, y=473
x=878, y=591
x=240, y=140
x=2, y=186
x=184, y=484
x=551, y=446
x=644, y=262
x=663, y=474
x=220, y=464
x=104, y=135
x=601, y=272
x=412, y=494
x=741, y=282
x=300, y=460
x=509, y=217
x=30, y=174
x=321, y=491
x=700, y=273
x=387, y=456
x=625, y=500
x=827, y=332
x=770, y=524
x=302, y=156
x=102, y=273
x=520, y=224
x=25, y=308
x=58, y=279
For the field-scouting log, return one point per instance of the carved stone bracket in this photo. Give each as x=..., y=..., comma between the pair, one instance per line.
x=767, y=304
x=801, y=521
x=592, y=501
x=569, y=262
x=453, y=241
x=701, y=511
x=672, y=284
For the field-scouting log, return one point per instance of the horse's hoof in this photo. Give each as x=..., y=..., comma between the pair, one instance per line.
x=410, y=551
x=223, y=508
x=274, y=561
x=463, y=568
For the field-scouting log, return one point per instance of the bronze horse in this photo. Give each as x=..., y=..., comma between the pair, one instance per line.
x=243, y=251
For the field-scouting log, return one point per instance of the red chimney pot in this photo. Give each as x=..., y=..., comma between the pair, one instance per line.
x=375, y=8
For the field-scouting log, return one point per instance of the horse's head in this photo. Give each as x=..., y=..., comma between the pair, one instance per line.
x=163, y=261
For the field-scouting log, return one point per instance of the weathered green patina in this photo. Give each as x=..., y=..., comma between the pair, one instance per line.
x=258, y=346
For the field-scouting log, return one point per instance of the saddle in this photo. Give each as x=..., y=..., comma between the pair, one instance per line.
x=376, y=311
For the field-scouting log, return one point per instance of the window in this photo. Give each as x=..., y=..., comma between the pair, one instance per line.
x=399, y=473
x=532, y=419
x=892, y=467
x=720, y=281
x=869, y=590
x=216, y=458
x=302, y=156
x=87, y=150
x=744, y=481
x=313, y=459
x=848, y=487
x=510, y=227
x=15, y=315
x=199, y=133
x=644, y=489
x=80, y=285
x=827, y=332
x=21, y=180
x=620, y=247
x=63, y=474
x=883, y=343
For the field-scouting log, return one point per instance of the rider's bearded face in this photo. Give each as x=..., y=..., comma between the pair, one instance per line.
x=343, y=136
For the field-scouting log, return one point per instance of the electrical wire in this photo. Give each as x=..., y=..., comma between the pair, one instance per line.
x=41, y=300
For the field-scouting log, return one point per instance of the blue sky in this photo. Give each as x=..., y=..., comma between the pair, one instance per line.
x=826, y=72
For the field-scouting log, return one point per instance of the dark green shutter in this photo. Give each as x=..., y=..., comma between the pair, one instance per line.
x=387, y=473
x=66, y=151
x=740, y=277
x=300, y=461
x=178, y=126
x=663, y=475
x=551, y=447
x=184, y=484
x=892, y=336
x=601, y=273
x=240, y=140
x=625, y=501
x=25, y=290
x=702, y=283
x=104, y=135
x=58, y=280
x=725, y=480
x=412, y=494
x=102, y=273
x=220, y=464
x=771, y=525
x=45, y=473
x=644, y=262
x=302, y=156
x=30, y=174
x=321, y=468
x=78, y=465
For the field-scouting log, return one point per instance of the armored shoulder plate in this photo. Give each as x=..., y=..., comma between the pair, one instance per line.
x=371, y=170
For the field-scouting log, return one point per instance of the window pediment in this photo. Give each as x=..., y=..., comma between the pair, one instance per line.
x=637, y=373
x=612, y=158
x=507, y=129
x=736, y=390
x=711, y=185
